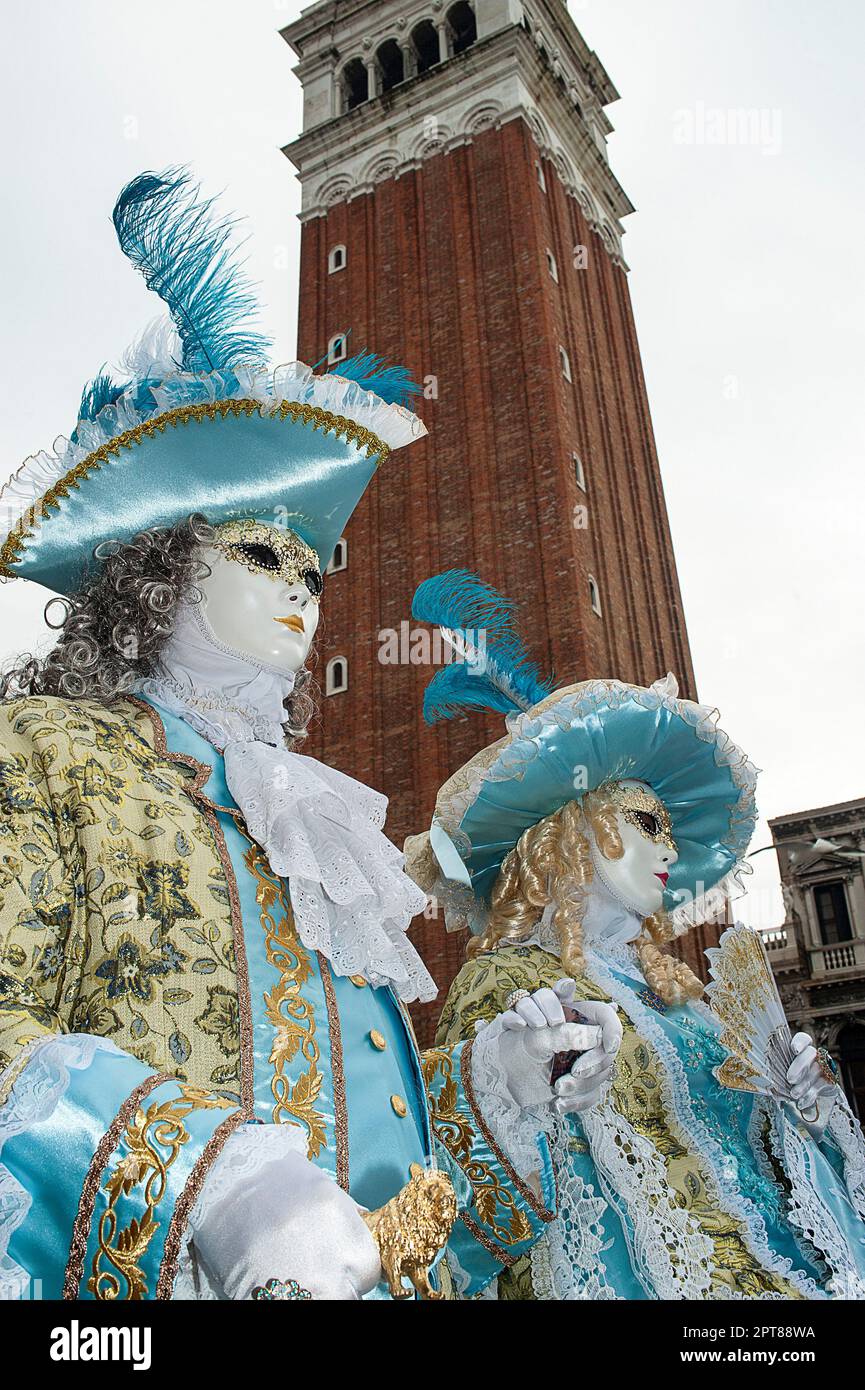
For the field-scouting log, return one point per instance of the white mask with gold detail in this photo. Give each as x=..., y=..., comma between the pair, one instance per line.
x=261, y=598
x=637, y=879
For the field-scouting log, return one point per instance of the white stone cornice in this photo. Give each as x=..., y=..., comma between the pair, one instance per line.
x=499, y=79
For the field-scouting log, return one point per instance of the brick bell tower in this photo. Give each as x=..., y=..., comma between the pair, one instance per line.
x=460, y=216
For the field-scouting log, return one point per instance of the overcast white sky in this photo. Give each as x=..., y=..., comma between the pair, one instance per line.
x=746, y=273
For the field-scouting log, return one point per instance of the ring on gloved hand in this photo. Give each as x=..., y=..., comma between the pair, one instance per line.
x=515, y=996
x=281, y=1289
x=827, y=1067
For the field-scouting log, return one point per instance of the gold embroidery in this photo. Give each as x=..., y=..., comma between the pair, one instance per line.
x=89, y=1192
x=150, y=1133
x=187, y=1199
x=292, y=1016
x=24, y=529
x=455, y=1132
x=638, y=1095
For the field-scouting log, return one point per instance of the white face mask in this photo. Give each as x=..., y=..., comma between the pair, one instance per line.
x=637, y=880
x=255, y=601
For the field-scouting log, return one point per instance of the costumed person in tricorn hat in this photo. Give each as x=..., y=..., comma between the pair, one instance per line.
x=207, y=1065
x=607, y=820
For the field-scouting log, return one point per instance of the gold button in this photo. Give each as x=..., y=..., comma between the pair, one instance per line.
x=358, y=980
x=399, y=1106
x=378, y=1039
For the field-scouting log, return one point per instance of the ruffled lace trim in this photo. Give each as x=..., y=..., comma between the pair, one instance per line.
x=392, y=424
x=244, y=1153
x=845, y=1129
x=568, y=710
x=806, y=1210
x=322, y=831
x=214, y=716
x=676, y=1095
x=670, y=1255
x=515, y=1130
x=567, y=1261
x=36, y=1091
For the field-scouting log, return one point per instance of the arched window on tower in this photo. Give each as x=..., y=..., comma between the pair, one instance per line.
x=339, y=559
x=425, y=42
x=579, y=471
x=337, y=259
x=463, y=26
x=595, y=595
x=336, y=676
x=566, y=363
x=355, y=84
x=337, y=350
x=391, y=65
x=552, y=266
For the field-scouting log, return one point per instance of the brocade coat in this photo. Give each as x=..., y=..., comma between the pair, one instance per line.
x=136, y=910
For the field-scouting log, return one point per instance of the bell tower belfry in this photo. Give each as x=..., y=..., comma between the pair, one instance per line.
x=459, y=215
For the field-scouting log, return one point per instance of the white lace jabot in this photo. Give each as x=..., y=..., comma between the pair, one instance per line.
x=320, y=829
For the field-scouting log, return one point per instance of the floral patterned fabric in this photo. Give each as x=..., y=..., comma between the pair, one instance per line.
x=112, y=894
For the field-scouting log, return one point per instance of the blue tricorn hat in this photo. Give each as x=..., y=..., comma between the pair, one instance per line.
x=560, y=744
x=201, y=423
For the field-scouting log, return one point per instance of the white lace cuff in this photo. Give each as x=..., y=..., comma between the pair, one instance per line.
x=515, y=1130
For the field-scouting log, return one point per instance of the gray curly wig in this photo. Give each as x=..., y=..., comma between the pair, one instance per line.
x=114, y=627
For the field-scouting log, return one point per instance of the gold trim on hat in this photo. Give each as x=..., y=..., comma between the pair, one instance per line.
x=11, y=552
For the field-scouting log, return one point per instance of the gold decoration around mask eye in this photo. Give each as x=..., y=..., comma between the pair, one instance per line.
x=637, y=805
x=270, y=550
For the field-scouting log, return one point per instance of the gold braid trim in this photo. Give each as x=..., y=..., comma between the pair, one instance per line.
x=11, y=552
x=154, y=1138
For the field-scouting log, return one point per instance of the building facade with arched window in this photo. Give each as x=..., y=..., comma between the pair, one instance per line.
x=818, y=955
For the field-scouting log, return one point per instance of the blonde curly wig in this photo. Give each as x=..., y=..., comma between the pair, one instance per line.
x=551, y=862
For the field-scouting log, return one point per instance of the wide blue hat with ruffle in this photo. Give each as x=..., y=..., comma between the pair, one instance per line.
x=562, y=743
x=199, y=422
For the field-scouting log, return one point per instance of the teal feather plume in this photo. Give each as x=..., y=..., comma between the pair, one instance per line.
x=493, y=669
x=391, y=383
x=102, y=391
x=185, y=254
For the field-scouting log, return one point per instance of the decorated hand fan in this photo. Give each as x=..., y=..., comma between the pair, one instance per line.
x=744, y=997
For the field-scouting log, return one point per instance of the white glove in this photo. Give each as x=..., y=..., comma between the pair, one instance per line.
x=809, y=1086
x=285, y=1219
x=592, y=1074
x=536, y=1029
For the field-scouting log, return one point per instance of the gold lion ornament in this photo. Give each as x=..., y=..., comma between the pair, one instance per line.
x=412, y=1228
